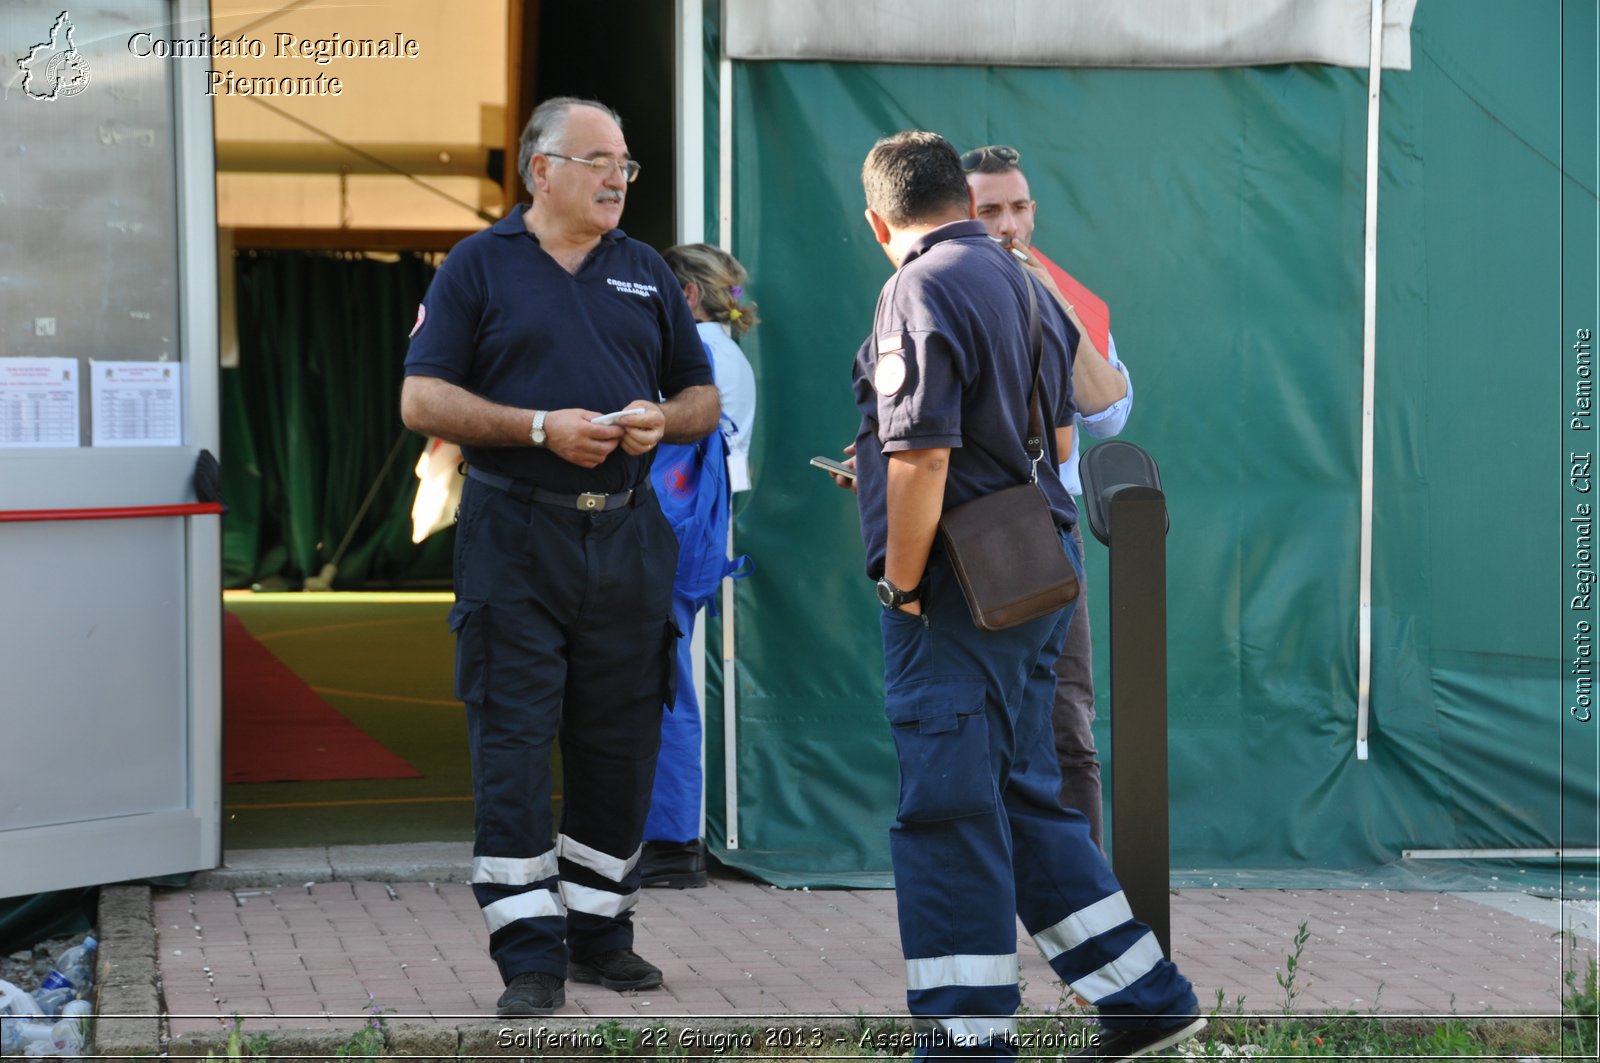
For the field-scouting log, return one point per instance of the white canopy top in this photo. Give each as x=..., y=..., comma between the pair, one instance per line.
x=1155, y=33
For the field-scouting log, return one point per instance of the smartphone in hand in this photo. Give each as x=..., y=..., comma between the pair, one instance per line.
x=838, y=468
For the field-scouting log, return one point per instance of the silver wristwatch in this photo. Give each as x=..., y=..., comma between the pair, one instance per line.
x=537, y=433
x=893, y=597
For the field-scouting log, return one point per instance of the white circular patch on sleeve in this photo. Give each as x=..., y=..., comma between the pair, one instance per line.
x=422, y=315
x=890, y=374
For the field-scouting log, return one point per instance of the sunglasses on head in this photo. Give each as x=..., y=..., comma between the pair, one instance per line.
x=974, y=158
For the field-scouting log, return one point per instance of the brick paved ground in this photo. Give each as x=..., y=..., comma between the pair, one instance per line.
x=317, y=957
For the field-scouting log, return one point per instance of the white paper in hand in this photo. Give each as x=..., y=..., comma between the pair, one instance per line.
x=613, y=418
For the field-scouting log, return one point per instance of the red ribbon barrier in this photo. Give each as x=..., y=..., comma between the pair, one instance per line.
x=186, y=509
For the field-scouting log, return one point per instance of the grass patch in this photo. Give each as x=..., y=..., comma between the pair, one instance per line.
x=1233, y=1034
x=1580, y=1008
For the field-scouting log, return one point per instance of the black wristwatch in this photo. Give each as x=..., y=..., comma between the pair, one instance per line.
x=893, y=597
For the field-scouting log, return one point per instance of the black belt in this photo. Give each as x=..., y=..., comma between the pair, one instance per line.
x=522, y=491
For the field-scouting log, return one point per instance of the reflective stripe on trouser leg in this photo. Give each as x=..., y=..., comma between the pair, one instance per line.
x=538, y=588
x=935, y=977
x=619, y=675
x=951, y=693
x=509, y=673
x=511, y=789
x=605, y=903
x=1067, y=896
x=514, y=890
x=675, y=798
x=965, y=1036
x=950, y=905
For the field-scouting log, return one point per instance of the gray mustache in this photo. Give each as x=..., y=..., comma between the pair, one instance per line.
x=608, y=197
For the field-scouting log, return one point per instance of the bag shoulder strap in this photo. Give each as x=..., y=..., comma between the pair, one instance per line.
x=1033, y=443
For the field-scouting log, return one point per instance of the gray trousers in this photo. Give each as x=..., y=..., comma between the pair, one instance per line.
x=1073, y=716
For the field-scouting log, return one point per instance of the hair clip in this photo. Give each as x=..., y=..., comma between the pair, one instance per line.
x=737, y=291
x=734, y=313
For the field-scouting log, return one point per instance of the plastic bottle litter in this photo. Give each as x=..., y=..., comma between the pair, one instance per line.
x=27, y=1032
x=77, y=964
x=51, y=998
x=72, y=977
x=67, y=1036
x=51, y=1021
x=63, y=1038
x=15, y=1008
x=14, y=1001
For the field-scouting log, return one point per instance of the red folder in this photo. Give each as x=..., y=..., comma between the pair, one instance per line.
x=1091, y=309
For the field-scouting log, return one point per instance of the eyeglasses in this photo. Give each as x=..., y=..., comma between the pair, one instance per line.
x=602, y=166
x=974, y=158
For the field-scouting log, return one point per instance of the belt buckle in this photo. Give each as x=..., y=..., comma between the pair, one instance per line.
x=591, y=501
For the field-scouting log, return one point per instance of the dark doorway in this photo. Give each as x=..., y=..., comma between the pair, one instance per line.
x=620, y=53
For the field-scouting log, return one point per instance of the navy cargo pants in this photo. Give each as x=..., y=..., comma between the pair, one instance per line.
x=981, y=837
x=564, y=632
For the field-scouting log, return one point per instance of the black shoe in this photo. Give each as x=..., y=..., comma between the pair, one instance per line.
x=534, y=993
x=1130, y=1044
x=673, y=865
x=618, y=969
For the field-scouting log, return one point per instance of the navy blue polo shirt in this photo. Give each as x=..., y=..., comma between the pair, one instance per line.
x=503, y=320
x=949, y=364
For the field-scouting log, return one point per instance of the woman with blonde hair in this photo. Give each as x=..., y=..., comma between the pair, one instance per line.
x=713, y=282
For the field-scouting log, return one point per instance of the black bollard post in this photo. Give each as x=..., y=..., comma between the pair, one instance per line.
x=1128, y=512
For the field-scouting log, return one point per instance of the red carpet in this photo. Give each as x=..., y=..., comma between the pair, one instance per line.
x=277, y=729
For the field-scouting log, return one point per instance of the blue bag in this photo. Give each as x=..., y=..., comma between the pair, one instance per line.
x=691, y=481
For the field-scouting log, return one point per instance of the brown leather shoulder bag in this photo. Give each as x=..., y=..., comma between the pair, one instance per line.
x=1005, y=547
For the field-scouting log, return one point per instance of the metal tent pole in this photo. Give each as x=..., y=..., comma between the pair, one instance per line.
x=1369, y=363
x=730, y=723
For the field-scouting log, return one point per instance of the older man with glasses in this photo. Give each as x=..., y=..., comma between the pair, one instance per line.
x=1103, y=393
x=543, y=347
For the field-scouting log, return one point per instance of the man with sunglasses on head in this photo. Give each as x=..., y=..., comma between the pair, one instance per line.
x=531, y=332
x=1104, y=396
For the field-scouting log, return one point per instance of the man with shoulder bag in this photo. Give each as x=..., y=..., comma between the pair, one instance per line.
x=960, y=405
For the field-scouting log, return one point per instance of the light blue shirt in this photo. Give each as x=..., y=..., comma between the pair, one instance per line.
x=736, y=387
x=1103, y=425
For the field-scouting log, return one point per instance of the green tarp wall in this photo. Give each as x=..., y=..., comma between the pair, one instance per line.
x=1220, y=213
x=311, y=423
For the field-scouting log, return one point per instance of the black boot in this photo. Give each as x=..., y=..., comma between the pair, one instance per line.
x=673, y=865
